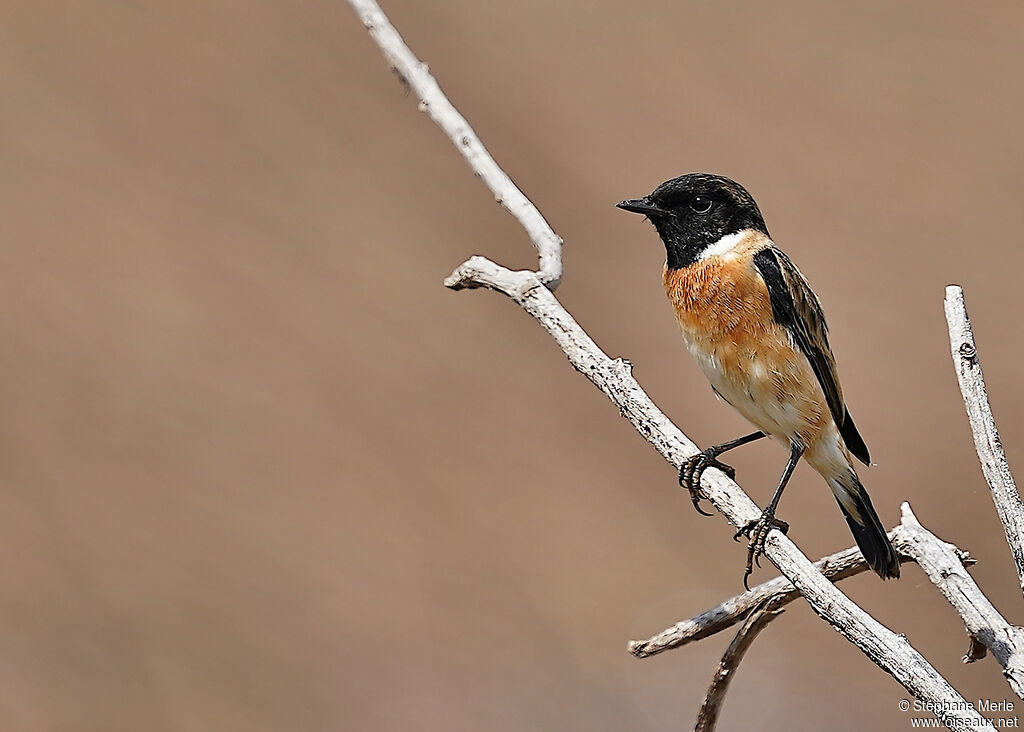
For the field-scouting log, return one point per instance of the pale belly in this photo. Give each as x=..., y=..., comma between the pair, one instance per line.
x=772, y=385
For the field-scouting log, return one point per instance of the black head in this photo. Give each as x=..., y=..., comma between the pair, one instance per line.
x=694, y=211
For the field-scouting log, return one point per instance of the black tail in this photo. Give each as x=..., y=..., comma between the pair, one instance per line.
x=854, y=442
x=864, y=524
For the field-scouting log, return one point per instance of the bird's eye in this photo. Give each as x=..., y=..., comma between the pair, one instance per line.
x=700, y=204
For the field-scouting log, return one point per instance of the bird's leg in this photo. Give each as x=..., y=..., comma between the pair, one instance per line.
x=757, y=531
x=694, y=466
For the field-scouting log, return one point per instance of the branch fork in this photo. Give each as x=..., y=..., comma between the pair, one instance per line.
x=944, y=563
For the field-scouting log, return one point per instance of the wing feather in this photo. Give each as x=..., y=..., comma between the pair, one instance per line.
x=796, y=308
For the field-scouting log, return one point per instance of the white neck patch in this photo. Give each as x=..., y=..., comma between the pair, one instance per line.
x=724, y=245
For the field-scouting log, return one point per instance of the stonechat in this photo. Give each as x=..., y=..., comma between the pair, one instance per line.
x=757, y=331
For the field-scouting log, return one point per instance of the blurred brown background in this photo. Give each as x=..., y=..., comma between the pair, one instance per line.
x=260, y=471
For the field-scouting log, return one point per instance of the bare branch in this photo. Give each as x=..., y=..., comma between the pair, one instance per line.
x=835, y=567
x=983, y=425
x=943, y=563
x=763, y=614
x=434, y=102
x=889, y=651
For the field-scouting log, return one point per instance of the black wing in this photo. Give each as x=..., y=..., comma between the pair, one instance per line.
x=796, y=308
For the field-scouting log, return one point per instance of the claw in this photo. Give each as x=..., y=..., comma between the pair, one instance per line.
x=696, y=504
x=696, y=496
x=693, y=468
x=757, y=531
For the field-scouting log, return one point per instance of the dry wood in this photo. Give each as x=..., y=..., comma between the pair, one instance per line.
x=944, y=564
x=756, y=621
x=891, y=652
x=433, y=101
x=983, y=426
x=835, y=567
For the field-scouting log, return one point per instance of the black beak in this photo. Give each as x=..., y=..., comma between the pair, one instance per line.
x=640, y=206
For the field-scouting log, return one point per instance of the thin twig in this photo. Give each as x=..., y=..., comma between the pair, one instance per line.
x=531, y=291
x=416, y=75
x=941, y=562
x=763, y=614
x=983, y=425
x=891, y=652
x=835, y=567
x=944, y=564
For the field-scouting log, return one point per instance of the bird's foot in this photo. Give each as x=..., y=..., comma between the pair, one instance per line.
x=693, y=468
x=757, y=532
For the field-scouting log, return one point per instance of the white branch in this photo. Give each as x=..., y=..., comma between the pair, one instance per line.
x=707, y=717
x=889, y=651
x=835, y=567
x=943, y=563
x=983, y=425
x=433, y=101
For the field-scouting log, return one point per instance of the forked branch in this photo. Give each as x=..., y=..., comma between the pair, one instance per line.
x=891, y=652
x=943, y=563
x=756, y=621
x=433, y=101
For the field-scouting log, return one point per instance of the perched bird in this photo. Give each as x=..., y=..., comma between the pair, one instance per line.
x=758, y=333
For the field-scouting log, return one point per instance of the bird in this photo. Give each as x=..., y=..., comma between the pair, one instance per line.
x=757, y=331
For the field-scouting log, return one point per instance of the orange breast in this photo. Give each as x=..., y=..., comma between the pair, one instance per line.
x=723, y=302
x=725, y=315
